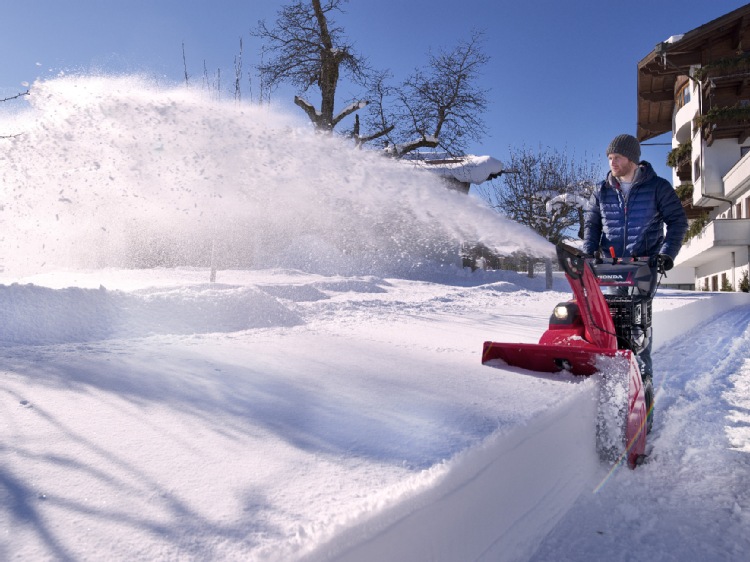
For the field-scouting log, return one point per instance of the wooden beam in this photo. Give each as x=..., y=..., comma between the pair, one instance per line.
x=736, y=34
x=657, y=95
x=683, y=61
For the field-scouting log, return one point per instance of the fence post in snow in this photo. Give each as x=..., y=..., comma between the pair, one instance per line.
x=212, y=278
x=548, y=272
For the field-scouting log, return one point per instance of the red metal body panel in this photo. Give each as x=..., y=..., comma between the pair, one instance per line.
x=575, y=347
x=635, y=430
x=600, y=330
x=546, y=358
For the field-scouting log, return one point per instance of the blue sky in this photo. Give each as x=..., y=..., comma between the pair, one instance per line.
x=562, y=73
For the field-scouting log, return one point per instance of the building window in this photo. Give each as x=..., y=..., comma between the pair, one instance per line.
x=697, y=170
x=738, y=211
x=683, y=96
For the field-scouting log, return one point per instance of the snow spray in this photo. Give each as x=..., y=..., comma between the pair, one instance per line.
x=120, y=172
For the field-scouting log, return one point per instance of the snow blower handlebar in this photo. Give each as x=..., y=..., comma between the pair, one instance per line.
x=637, y=274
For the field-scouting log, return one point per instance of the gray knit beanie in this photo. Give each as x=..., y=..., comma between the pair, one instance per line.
x=627, y=145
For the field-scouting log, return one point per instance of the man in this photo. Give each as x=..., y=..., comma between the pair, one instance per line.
x=627, y=214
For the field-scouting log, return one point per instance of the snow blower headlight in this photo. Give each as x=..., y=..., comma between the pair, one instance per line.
x=565, y=314
x=561, y=312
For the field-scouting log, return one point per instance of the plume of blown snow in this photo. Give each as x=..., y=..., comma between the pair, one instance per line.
x=118, y=172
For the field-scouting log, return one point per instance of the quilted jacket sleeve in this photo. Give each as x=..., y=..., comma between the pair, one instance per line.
x=592, y=229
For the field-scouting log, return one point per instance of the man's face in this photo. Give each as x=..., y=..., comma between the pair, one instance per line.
x=620, y=165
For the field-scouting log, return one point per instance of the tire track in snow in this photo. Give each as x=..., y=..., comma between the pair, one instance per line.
x=695, y=374
x=681, y=505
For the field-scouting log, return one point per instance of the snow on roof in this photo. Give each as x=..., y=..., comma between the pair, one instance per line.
x=466, y=169
x=570, y=199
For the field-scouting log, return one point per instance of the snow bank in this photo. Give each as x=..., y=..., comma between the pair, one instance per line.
x=512, y=489
x=34, y=315
x=671, y=323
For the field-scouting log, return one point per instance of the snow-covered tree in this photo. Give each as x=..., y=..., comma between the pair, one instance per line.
x=437, y=106
x=545, y=190
x=309, y=50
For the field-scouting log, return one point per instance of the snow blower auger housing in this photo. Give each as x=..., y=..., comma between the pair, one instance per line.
x=597, y=333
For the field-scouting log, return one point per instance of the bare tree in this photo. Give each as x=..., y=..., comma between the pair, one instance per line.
x=545, y=191
x=309, y=50
x=17, y=96
x=238, y=74
x=438, y=107
x=26, y=93
x=184, y=64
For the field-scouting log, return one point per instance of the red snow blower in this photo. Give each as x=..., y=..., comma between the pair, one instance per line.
x=597, y=333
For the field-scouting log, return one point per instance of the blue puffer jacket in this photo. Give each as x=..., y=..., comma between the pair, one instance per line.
x=634, y=226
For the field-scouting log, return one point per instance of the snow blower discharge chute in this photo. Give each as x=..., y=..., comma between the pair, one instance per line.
x=598, y=333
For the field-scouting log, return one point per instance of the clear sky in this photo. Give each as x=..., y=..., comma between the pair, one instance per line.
x=562, y=72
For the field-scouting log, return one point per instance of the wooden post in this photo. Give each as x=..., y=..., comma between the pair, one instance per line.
x=212, y=278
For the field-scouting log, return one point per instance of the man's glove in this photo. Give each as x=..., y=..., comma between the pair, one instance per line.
x=664, y=263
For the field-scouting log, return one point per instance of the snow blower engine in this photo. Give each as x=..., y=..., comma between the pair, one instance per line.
x=599, y=334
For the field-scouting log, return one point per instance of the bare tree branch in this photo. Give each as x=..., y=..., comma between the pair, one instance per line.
x=310, y=110
x=26, y=93
x=348, y=110
x=437, y=106
x=184, y=64
x=238, y=74
x=308, y=49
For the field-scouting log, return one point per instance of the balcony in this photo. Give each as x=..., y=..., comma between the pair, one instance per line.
x=680, y=158
x=683, y=117
x=719, y=237
x=737, y=180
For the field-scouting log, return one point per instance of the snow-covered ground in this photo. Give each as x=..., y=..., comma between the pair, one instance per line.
x=324, y=398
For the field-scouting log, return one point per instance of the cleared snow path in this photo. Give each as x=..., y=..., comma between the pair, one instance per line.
x=684, y=503
x=548, y=487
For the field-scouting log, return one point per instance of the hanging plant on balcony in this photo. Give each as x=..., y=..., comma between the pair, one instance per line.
x=737, y=112
x=696, y=227
x=723, y=66
x=678, y=155
x=684, y=191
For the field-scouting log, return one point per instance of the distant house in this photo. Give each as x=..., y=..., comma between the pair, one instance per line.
x=458, y=172
x=697, y=86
